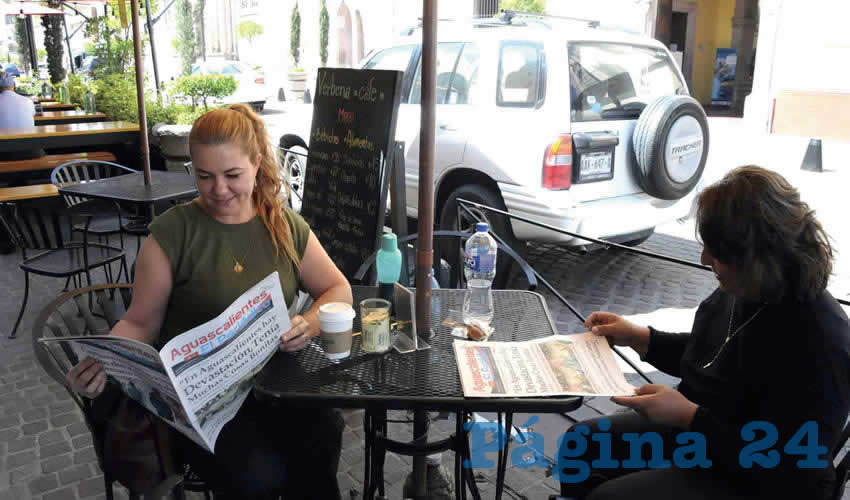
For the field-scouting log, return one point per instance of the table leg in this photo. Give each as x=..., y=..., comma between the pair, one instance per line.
x=469, y=474
x=503, y=453
x=420, y=435
x=367, y=452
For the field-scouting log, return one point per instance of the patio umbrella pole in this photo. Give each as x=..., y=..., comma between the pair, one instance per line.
x=140, y=92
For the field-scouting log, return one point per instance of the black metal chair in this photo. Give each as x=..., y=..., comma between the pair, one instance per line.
x=73, y=314
x=36, y=227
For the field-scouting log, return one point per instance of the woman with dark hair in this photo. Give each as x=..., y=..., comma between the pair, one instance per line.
x=200, y=257
x=769, y=345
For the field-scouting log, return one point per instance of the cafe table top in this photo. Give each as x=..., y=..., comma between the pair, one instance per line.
x=165, y=186
x=67, y=135
x=424, y=380
x=60, y=117
x=58, y=106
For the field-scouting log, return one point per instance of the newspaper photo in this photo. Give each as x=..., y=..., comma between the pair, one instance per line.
x=198, y=380
x=558, y=365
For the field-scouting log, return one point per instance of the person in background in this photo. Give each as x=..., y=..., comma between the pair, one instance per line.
x=200, y=257
x=16, y=111
x=770, y=344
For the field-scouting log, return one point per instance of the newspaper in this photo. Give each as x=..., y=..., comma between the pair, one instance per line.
x=574, y=365
x=199, y=380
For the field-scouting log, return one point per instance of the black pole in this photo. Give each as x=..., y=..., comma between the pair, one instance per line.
x=33, y=53
x=68, y=44
x=153, y=45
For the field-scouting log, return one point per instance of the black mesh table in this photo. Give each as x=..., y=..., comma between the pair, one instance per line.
x=130, y=188
x=424, y=380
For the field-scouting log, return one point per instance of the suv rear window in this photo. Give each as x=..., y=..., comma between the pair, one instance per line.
x=612, y=81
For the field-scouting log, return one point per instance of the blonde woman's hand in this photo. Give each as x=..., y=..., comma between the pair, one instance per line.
x=619, y=331
x=298, y=335
x=87, y=378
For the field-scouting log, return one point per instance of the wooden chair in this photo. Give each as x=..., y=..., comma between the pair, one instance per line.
x=35, y=227
x=73, y=314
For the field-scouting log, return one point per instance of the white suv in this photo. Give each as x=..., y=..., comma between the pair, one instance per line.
x=581, y=128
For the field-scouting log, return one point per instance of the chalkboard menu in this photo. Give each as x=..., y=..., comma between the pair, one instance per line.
x=345, y=186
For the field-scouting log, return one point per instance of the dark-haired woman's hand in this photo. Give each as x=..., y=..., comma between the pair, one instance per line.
x=619, y=331
x=298, y=335
x=661, y=404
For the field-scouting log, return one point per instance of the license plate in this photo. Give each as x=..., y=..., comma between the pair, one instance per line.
x=595, y=166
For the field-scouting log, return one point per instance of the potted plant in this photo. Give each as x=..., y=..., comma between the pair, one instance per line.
x=297, y=75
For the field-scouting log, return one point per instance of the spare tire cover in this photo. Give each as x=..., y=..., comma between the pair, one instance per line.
x=670, y=144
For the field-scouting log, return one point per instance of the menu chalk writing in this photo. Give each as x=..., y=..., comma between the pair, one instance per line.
x=354, y=119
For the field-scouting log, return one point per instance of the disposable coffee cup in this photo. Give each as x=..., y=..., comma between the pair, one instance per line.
x=335, y=322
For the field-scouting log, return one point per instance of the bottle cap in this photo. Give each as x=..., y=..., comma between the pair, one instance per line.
x=482, y=227
x=389, y=242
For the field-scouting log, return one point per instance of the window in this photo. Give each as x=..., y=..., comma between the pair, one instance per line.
x=463, y=88
x=447, y=54
x=396, y=58
x=610, y=81
x=521, y=75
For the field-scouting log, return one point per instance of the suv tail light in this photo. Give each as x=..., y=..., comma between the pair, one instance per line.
x=261, y=80
x=558, y=163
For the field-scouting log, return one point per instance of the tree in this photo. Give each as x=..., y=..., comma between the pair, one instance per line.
x=535, y=6
x=53, y=43
x=295, y=34
x=200, y=41
x=324, y=24
x=23, y=43
x=185, y=43
x=249, y=30
x=203, y=87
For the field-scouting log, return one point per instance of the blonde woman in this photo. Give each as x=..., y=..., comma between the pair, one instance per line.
x=200, y=257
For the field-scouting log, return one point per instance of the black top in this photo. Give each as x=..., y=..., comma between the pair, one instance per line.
x=164, y=186
x=789, y=365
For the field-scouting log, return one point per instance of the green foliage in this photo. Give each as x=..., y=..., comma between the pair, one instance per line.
x=28, y=86
x=204, y=87
x=116, y=96
x=40, y=54
x=295, y=34
x=185, y=42
x=76, y=88
x=250, y=30
x=324, y=26
x=111, y=43
x=53, y=42
x=535, y=6
x=22, y=41
x=198, y=19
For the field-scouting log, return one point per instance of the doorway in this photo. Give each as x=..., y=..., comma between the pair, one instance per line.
x=683, y=35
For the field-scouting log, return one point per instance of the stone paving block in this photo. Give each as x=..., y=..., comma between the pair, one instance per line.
x=24, y=474
x=86, y=455
x=50, y=437
x=10, y=434
x=81, y=442
x=65, y=419
x=11, y=420
x=537, y=490
x=20, y=444
x=16, y=492
x=66, y=493
x=75, y=473
x=21, y=458
x=34, y=427
x=44, y=483
x=55, y=449
x=90, y=487
x=62, y=407
x=55, y=464
x=77, y=429
x=346, y=483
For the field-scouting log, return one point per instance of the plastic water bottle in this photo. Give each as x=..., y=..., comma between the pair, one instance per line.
x=388, y=262
x=480, y=270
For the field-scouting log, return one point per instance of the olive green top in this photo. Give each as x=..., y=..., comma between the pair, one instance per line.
x=203, y=252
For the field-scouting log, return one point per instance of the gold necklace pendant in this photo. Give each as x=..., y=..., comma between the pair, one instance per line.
x=238, y=267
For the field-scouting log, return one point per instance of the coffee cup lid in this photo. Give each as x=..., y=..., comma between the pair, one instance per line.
x=336, y=311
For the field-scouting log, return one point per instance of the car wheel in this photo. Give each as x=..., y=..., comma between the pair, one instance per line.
x=499, y=224
x=670, y=143
x=294, y=167
x=258, y=106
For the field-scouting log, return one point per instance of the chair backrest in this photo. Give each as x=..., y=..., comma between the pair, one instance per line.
x=78, y=171
x=35, y=226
